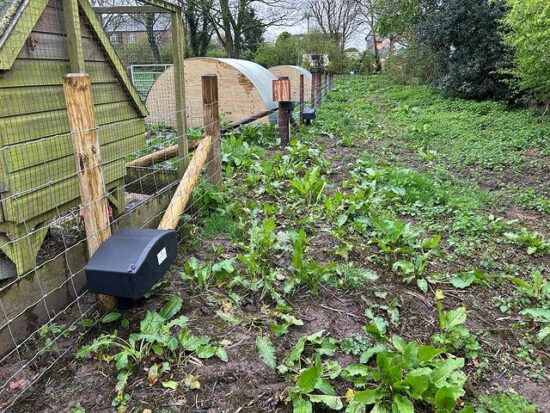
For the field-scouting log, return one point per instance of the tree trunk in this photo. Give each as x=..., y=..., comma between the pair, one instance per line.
x=377, y=62
x=150, y=28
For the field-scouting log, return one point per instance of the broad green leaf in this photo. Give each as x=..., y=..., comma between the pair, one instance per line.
x=455, y=317
x=296, y=352
x=539, y=314
x=171, y=308
x=358, y=370
x=324, y=387
x=391, y=372
x=366, y=355
x=170, y=384
x=398, y=343
x=300, y=405
x=308, y=378
x=445, y=400
x=266, y=351
x=543, y=333
x=402, y=404
x=332, y=402
x=417, y=384
x=422, y=285
x=222, y=354
x=279, y=329
x=110, y=317
x=444, y=370
x=427, y=353
x=368, y=396
x=377, y=327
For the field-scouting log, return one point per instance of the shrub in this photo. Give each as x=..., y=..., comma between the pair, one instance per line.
x=413, y=65
x=465, y=37
x=528, y=22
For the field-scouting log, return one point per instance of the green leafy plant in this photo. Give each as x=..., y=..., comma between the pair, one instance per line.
x=408, y=372
x=310, y=187
x=161, y=336
x=452, y=335
x=536, y=243
x=509, y=402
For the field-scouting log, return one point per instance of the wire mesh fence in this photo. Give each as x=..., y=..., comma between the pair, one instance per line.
x=43, y=240
x=139, y=156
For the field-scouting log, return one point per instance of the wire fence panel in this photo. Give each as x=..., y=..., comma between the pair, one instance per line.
x=43, y=241
x=46, y=159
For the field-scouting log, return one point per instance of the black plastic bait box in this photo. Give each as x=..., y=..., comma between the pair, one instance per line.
x=130, y=262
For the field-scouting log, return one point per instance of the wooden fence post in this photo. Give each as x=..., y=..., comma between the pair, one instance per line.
x=178, y=49
x=281, y=94
x=211, y=119
x=316, y=89
x=80, y=109
x=325, y=89
x=302, y=102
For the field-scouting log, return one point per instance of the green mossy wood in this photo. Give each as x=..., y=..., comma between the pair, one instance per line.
x=37, y=171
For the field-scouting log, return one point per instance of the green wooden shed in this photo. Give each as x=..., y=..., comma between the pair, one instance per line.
x=40, y=41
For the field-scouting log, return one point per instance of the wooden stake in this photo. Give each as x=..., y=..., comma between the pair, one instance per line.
x=302, y=101
x=180, y=199
x=78, y=96
x=211, y=119
x=316, y=88
x=281, y=94
x=178, y=46
x=325, y=88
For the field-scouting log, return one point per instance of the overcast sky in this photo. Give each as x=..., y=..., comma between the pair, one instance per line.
x=358, y=40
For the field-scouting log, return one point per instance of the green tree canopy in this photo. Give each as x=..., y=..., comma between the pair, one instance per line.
x=529, y=35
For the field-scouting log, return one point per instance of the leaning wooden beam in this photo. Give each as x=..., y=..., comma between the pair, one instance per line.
x=180, y=199
x=161, y=155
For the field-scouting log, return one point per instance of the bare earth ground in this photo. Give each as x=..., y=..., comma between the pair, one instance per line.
x=246, y=384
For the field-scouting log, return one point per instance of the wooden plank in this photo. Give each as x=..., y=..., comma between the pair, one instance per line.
x=45, y=150
x=74, y=41
x=55, y=47
x=163, y=5
x=127, y=9
x=148, y=180
x=97, y=28
x=36, y=99
x=59, y=169
x=80, y=109
x=26, y=128
x=44, y=72
x=19, y=34
x=22, y=208
x=51, y=21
